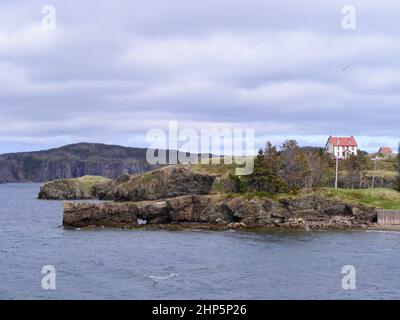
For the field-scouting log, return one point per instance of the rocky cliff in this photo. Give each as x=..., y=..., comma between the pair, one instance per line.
x=162, y=183
x=86, y=187
x=219, y=212
x=72, y=161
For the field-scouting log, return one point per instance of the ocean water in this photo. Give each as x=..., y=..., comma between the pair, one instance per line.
x=121, y=264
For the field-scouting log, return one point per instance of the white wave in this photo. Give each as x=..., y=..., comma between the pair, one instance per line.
x=166, y=277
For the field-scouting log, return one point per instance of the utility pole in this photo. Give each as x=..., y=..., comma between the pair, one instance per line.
x=373, y=175
x=337, y=162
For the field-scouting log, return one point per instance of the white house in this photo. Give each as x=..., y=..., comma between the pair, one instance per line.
x=342, y=147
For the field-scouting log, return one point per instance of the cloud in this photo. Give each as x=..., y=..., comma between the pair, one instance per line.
x=112, y=71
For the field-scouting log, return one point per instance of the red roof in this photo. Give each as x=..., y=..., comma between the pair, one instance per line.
x=385, y=150
x=343, y=141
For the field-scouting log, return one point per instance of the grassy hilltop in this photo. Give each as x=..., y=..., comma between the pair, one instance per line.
x=381, y=197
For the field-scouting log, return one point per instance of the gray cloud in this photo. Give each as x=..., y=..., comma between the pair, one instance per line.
x=113, y=70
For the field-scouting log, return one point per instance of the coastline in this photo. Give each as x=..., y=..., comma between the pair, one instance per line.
x=251, y=229
x=181, y=197
x=219, y=212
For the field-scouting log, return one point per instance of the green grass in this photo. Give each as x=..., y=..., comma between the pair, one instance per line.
x=217, y=169
x=86, y=183
x=147, y=176
x=382, y=198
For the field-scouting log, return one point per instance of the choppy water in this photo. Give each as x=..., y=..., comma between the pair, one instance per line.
x=118, y=264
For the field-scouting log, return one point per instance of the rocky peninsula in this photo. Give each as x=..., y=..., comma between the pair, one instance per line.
x=180, y=197
x=86, y=187
x=218, y=212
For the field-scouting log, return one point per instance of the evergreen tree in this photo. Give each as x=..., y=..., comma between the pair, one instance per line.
x=273, y=163
x=265, y=177
x=258, y=178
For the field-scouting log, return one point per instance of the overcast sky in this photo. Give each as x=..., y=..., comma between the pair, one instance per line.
x=112, y=70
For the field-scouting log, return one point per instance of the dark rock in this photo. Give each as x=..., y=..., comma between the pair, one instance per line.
x=75, y=188
x=114, y=214
x=163, y=183
x=222, y=213
x=338, y=209
x=205, y=209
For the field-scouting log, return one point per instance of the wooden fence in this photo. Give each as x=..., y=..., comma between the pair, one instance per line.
x=389, y=217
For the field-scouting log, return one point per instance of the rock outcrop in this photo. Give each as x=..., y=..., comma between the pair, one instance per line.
x=86, y=187
x=218, y=212
x=176, y=195
x=162, y=183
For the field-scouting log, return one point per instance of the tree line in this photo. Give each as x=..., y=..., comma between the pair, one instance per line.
x=289, y=167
